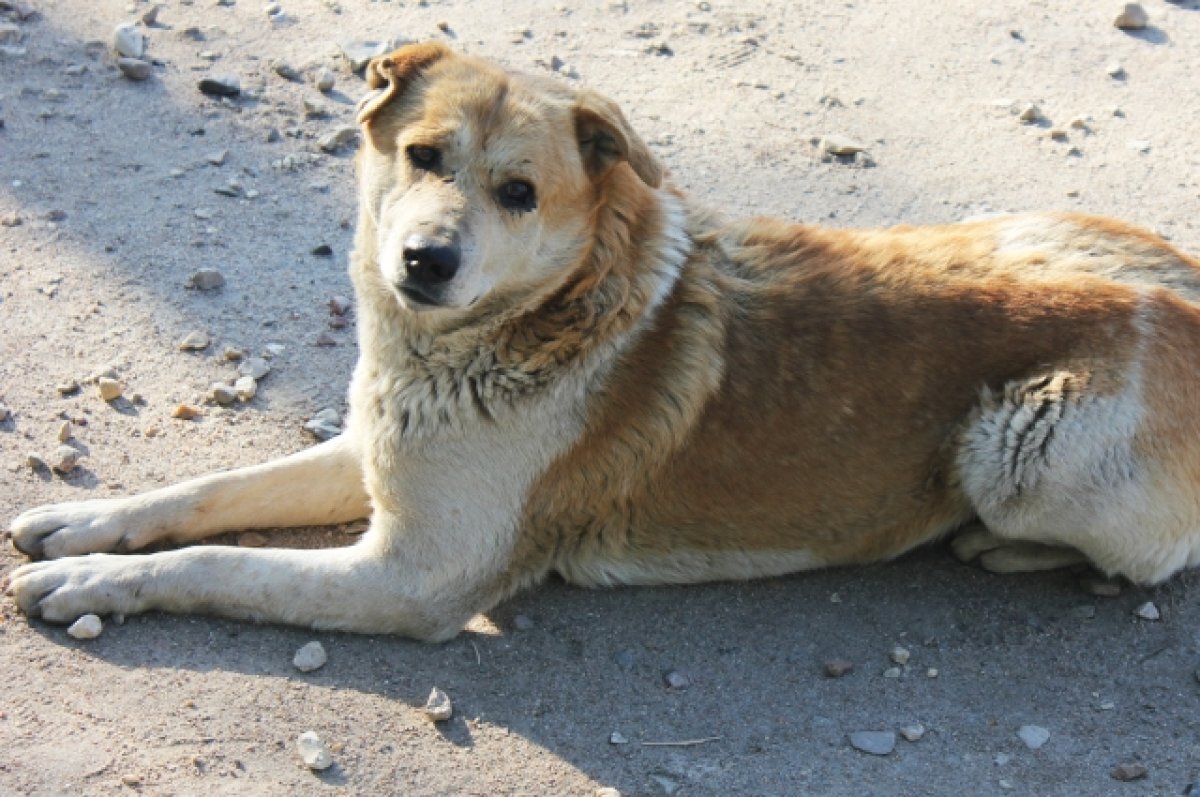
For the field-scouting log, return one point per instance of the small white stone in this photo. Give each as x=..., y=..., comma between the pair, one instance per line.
x=64, y=432
x=109, y=388
x=438, y=707
x=839, y=145
x=891, y=672
x=1147, y=611
x=194, y=341
x=326, y=80
x=223, y=394
x=1132, y=17
x=65, y=459
x=901, y=655
x=135, y=68
x=87, y=627
x=616, y=737
x=606, y=791
x=128, y=41
x=1114, y=69
x=313, y=751
x=5, y=413
x=1029, y=113
x=873, y=742
x=1140, y=145
x=932, y=672
x=1034, y=736
x=310, y=657
x=912, y=733
x=246, y=387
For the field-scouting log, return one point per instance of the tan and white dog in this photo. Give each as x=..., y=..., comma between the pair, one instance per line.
x=568, y=367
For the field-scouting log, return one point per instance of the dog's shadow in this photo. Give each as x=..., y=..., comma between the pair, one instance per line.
x=567, y=668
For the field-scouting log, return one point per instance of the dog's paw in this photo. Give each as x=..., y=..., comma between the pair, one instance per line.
x=71, y=529
x=63, y=590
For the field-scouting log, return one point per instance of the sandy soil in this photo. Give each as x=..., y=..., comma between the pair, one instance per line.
x=111, y=184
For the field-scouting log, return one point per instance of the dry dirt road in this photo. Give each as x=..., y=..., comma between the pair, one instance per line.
x=109, y=202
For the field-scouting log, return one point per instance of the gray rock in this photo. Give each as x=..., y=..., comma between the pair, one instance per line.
x=287, y=71
x=128, y=40
x=1147, y=611
x=438, y=707
x=65, y=459
x=839, y=145
x=9, y=34
x=901, y=655
x=88, y=626
x=359, y=53
x=340, y=305
x=1128, y=772
x=616, y=737
x=912, y=733
x=1034, y=736
x=1132, y=17
x=673, y=679
x=222, y=394
x=135, y=68
x=342, y=137
x=1115, y=70
x=150, y=15
x=206, y=279
x=246, y=387
x=220, y=86
x=325, y=80
x=313, y=751
x=874, y=742
x=310, y=657
x=1030, y=114
x=254, y=367
x=836, y=668
x=217, y=158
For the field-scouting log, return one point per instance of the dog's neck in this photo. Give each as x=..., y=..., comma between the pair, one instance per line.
x=502, y=351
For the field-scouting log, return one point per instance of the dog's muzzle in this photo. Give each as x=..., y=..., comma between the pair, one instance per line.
x=428, y=269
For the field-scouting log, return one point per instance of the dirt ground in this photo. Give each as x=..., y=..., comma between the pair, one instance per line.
x=108, y=205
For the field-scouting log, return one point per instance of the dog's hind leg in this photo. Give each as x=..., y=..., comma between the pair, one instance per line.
x=320, y=485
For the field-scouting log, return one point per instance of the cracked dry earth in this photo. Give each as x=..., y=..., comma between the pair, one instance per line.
x=114, y=192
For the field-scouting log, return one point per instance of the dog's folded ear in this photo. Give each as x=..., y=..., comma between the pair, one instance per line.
x=388, y=75
x=605, y=139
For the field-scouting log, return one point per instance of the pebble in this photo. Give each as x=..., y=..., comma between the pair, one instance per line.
x=222, y=394
x=1034, y=736
x=1115, y=70
x=68, y=388
x=606, y=791
x=64, y=432
x=1132, y=17
x=322, y=250
x=5, y=413
x=892, y=672
x=128, y=41
x=325, y=425
x=873, y=742
x=839, y=145
x=313, y=751
x=207, y=279
x=272, y=9
x=252, y=539
x=287, y=71
x=150, y=15
x=901, y=655
x=616, y=737
x=673, y=679
x=310, y=657
x=1128, y=772
x=333, y=141
x=912, y=733
x=65, y=459
x=522, y=622
x=233, y=353
x=246, y=387
x=1147, y=611
x=194, y=341
x=134, y=68
x=186, y=412
x=340, y=305
x=326, y=80
x=1140, y=145
x=254, y=367
x=35, y=462
x=109, y=388
x=217, y=158
x=87, y=627
x=836, y=668
x=438, y=706
x=1029, y=113
x=220, y=86
x=932, y=672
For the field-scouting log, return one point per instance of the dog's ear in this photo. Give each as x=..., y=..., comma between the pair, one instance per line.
x=605, y=139
x=390, y=74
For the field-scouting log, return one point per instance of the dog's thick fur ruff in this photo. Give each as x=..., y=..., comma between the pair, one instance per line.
x=621, y=388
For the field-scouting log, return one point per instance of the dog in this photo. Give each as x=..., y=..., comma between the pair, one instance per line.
x=567, y=366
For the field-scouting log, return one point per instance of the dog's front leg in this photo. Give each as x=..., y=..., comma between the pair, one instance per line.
x=365, y=587
x=317, y=486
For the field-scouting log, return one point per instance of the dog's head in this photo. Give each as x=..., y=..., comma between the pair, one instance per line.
x=481, y=185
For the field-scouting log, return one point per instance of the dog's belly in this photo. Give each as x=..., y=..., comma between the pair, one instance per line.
x=685, y=566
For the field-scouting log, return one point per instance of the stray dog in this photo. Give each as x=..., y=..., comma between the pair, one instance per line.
x=568, y=367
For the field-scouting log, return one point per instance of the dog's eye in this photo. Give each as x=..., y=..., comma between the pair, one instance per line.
x=518, y=195
x=426, y=158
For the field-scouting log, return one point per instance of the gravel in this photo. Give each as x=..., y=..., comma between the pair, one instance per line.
x=88, y=626
x=874, y=742
x=438, y=707
x=206, y=279
x=128, y=40
x=912, y=733
x=901, y=655
x=1132, y=17
x=310, y=657
x=1147, y=611
x=1034, y=736
x=313, y=751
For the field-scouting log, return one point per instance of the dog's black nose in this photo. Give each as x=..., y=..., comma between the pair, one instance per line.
x=427, y=263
